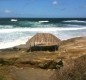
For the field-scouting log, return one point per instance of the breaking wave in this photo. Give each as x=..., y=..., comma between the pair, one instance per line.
x=75, y=21
x=39, y=29
x=43, y=21
x=10, y=44
x=13, y=33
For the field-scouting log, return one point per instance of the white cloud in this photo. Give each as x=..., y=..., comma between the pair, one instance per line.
x=7, y=11
x=55, y=2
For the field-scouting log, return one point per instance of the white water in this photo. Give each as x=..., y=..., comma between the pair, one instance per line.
x=10, y=44
x=76, y=21
x=13, y=35
x=14, y=20
x=39, y=29
x=43, y=21
x=16, y=36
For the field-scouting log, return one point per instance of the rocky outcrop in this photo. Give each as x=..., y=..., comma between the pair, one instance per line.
x=68, y=63
x=43, y=64
x=74, y=43
x=51, y=64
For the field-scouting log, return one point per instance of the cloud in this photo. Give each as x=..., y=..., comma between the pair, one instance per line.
x=7, y=11
x=55, y=2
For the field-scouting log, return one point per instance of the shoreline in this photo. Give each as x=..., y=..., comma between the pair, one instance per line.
x=25, y=45
x=21, y=65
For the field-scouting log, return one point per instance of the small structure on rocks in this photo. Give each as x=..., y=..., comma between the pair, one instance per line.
x=43, y=42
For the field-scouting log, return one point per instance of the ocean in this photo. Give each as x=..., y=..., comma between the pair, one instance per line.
x=16, y=31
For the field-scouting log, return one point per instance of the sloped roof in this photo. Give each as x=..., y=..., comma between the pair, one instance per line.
x=43, y=39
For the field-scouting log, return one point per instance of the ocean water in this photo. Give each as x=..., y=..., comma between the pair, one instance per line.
x=17, y=31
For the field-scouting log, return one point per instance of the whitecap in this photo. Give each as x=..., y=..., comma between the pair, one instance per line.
x=14, y=20
x=77, y=21
x=43, y=21
x=40, y=29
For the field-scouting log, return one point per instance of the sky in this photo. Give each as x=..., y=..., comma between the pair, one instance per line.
x=43, y=8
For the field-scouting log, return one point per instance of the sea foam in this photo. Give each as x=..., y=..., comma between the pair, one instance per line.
x=43, y=21
x=39, y=29
x=9, y=44
x=13, y=33
x=76, y=21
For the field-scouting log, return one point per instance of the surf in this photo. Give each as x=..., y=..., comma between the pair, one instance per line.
x=13, y=20
x=49, y=29
x=16, y=42
x=75, y=21
x=43, y=21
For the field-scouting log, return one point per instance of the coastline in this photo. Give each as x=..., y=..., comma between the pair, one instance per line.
x=19, y=60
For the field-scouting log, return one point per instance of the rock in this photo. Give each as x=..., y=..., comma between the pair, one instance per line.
x=51, y=64
x=45, y=64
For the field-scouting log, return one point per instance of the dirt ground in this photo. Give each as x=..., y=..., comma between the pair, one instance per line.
x=30, y=73
x=11, y=59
